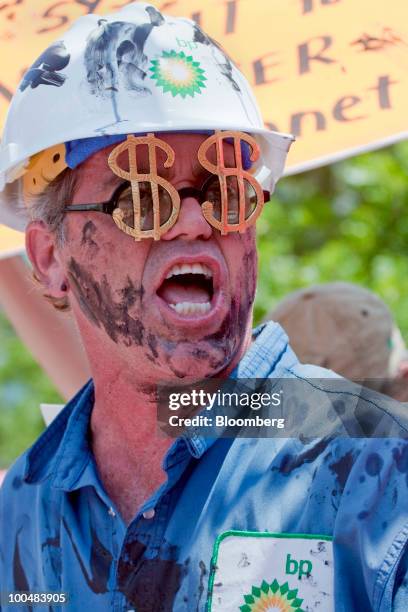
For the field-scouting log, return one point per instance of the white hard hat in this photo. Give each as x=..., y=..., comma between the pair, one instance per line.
x=134, y=71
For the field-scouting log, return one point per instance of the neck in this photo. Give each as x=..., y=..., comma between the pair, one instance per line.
x=126, y=442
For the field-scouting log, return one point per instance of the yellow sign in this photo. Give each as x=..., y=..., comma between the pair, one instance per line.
x=333, y=72
x=11, y=242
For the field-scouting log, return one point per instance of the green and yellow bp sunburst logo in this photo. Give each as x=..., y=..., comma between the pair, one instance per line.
x=272, y=598
x=178, y=74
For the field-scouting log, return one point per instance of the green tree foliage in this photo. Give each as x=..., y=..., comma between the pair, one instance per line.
x=346, y=222
x=23, y=386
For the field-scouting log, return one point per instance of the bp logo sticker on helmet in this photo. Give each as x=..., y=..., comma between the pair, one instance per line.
x=178, y=74
x=272, y=597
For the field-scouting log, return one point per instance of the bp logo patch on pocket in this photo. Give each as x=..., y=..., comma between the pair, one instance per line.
x=271, y=572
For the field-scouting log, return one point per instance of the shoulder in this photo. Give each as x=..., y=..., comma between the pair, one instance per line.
x=32, y=485
x=27, y=522
x=18, y=508
x=18, y=499
x=371, y=531
x=13, y=480
x=353, y=490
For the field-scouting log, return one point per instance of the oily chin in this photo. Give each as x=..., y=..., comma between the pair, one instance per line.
x=191, y=361
x=213, y=355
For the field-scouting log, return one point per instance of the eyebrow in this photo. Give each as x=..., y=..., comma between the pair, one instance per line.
x=111, y=180
x=110, y=176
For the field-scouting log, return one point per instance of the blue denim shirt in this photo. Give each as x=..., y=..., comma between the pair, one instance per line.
x=60, y=532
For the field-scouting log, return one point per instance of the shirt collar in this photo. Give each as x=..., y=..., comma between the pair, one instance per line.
x=270, y=342
x=63, y=452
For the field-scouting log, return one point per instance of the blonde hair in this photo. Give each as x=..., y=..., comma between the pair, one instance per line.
x=48, y=206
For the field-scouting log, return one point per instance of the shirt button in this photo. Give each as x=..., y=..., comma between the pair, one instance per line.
x=149, y=514
x=111, y=512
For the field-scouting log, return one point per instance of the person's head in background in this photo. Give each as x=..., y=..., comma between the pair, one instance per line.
x=348, y=329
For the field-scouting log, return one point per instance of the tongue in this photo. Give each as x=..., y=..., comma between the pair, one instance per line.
x=174, y=293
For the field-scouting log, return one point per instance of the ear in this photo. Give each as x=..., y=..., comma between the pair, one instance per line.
x=44, y=256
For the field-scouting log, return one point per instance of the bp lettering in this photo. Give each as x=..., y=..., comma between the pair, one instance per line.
x=303, y=567
x=186, y=44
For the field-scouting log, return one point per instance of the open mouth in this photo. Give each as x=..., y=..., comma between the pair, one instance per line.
x=188, y=289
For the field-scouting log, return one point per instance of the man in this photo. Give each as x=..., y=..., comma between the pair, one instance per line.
x=348, y=329
x=142, y=218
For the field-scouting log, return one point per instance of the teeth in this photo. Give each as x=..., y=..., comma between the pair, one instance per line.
x=186, y=308
x=173, y=272
x=196, y=268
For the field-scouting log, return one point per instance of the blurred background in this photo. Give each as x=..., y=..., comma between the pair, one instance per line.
x=344, y=222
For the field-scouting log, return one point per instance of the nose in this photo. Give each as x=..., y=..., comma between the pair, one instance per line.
x=191, y=224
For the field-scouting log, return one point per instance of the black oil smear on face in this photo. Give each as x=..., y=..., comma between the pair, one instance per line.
x=152, y=344
x=250, y=265
x=200, y=354
x=237, y=318
x=175, y=371
x=229, y=334
x=88, y=231
x=131, y=294
x=97, y=303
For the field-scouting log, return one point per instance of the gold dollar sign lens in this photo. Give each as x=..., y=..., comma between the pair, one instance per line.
x=242, y=177
x=135, y=178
